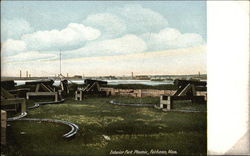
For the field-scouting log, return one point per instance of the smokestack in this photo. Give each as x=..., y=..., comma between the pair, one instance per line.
x=67, y=74
x=27, y=74
x=20, y=74
x=132, y=75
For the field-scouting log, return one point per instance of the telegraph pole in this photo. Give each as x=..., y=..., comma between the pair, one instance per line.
x=60, y=62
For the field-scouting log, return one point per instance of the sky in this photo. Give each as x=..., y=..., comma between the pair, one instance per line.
x=101, y=38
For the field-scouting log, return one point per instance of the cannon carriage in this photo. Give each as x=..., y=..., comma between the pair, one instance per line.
x=92, y=89
x=187, y=90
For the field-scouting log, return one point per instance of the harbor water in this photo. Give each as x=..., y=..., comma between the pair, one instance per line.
x=110, y=82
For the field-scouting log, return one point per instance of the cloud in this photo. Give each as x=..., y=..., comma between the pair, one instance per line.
x=12, y=47
x=170, y=38
x=123, y=45
x=110, y=25
x=139, y=19
x=128, y=44
x=29, y=56
x=130, y=19
x=117, y=31
x=73, y=36
x=14, y=28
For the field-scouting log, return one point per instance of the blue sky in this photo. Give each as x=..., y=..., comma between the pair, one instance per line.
x=38, y=30
x=188, y=17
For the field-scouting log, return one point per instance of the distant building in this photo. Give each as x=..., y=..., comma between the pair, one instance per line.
x=77, y=76
x=142, y=77
x=108, y=77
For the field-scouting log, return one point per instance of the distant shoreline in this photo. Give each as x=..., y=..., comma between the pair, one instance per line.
x=35, y=78
x=152, y=77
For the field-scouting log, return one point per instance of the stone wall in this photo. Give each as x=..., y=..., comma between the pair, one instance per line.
x=143, y=92
x=156, y=93
x=138, y=92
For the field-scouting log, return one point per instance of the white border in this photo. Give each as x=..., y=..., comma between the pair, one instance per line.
x=228, y=73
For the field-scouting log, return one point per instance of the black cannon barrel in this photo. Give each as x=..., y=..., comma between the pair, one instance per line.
x=44, y=81
x=8, y=84
x=185, y=82
x=90, y=81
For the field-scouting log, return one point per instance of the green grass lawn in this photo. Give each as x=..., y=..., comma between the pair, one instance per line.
x=188, y=105
x=135, y=100
x=129, y=128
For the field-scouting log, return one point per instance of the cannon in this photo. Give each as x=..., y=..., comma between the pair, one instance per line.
x=189, y=87
x=42, y=88
x=187, y=90
x=8, y=84
x=47, y=82
x=90, y=81
x=92, y=88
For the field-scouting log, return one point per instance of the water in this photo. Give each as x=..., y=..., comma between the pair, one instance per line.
x=145, y=82
x=111, y=82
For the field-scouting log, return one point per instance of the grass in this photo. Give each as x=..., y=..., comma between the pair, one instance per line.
x=134, y=100
x=188, y=105
x=129, y=128
x=178, y=105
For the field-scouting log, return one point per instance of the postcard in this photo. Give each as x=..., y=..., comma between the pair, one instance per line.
x=105, y=78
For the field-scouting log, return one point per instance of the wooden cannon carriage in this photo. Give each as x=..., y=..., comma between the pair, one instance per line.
x=3, y=127
x=42, y=88
x=187, y=90
x=92, y=88
x=10, y=99
x=10, y=102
